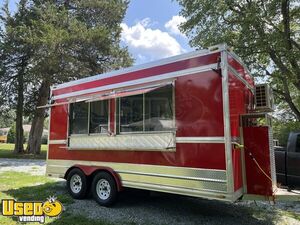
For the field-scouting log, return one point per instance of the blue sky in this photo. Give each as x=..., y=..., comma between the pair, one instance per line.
x=150, y=29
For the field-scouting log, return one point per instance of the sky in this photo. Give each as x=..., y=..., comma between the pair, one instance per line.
x=150, y=29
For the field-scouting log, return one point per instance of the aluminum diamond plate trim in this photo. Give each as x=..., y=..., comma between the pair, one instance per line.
x=154, y=142
x=272, y=159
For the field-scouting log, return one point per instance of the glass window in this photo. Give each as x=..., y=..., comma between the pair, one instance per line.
x=159, y=109
x=131, y=114
x=99, y=117
x=152, y=111
x=79, y=118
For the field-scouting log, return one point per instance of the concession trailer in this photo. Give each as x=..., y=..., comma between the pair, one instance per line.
x=193, y=124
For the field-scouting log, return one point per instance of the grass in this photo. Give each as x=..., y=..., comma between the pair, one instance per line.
x=26, y=187
x=6, y=151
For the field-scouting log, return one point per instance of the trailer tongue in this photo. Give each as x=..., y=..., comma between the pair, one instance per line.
x=186, y=125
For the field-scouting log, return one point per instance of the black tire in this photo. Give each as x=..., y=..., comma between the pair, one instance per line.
x=109, y=190
x=81, y=193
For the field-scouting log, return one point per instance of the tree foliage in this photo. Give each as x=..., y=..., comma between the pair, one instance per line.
x=66, y=40
x=282, y=130
x=264, y=33
x=11, y=135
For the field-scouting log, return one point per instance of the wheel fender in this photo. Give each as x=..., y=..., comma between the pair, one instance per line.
x=89, y=170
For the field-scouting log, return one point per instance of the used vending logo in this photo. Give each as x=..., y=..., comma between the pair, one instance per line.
x=32, y=211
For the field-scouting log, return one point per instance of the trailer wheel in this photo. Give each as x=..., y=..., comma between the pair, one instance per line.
x=77, y=184
x=104, y=189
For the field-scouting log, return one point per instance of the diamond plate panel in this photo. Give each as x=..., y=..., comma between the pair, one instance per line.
x=159, y=142
x=272, y=158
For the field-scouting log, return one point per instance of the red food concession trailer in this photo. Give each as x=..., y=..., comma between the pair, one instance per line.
x=193, y=124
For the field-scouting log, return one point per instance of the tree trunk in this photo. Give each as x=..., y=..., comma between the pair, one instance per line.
x=37, y=126
x=19, y=140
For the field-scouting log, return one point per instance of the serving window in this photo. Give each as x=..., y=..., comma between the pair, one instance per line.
x=78, y=118
x=99, y=117
x=88, y=117
x=148, y=112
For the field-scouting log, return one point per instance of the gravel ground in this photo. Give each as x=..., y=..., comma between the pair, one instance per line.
x=137, y=207
x=32, y=166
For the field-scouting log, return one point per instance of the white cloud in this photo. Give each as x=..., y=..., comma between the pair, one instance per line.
x=173, y=25
x=147, y=43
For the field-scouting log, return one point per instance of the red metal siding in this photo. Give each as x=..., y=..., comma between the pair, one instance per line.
x=59, y=122
x=199, y=113
x=240, y=101
x=257, y=143
x=157, y=70
x=210, y=156
x=241, y=70
x=199, y=107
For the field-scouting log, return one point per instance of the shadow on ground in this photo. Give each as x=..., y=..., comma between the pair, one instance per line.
x=137, y=207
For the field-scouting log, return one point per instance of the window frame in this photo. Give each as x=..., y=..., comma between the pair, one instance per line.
x=108, y=121
x=144, y=105
x=117, y=118
x=89, y=116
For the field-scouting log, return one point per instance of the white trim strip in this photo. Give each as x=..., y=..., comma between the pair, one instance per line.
x=200, y=140
x=57, y=142
x=160, y=62
x=161, y=77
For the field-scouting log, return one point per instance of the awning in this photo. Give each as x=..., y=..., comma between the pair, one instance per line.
x=73, y=100
x=128, y=92
x=112, y=94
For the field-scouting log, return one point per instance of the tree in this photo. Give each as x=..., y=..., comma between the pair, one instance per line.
x=264, y=33
x=15, y=54
x=72, y=39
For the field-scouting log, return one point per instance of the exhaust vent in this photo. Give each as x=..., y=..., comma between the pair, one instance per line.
x=264, y=100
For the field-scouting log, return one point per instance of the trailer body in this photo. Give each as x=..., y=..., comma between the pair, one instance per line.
x=179, y=125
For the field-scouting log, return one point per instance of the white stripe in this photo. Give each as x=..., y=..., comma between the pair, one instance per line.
x=57, y=142
x=140, y=81
x=200, y=139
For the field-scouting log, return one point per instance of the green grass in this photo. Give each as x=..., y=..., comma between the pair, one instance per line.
x=6, y=151
x=26, y=187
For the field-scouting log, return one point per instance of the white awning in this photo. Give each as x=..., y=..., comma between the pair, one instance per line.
x=112, y=94
x=128, y=92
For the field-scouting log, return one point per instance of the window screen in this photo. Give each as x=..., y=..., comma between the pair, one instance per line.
x=79, y=118
x=131, y=114
x=99, y=117
x=159, y=109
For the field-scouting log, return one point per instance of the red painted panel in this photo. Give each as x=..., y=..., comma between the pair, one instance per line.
x=240, y=69
x=199, y=107
x=240, y=102
x=157, y=70
x=112, y=110
x=256, y=142
x=59, y=122
x=237, y=169
x=210, y=156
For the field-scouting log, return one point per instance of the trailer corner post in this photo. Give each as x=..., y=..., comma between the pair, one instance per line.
x=226, y=118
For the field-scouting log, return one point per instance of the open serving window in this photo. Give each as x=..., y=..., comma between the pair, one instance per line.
x=144, y=118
